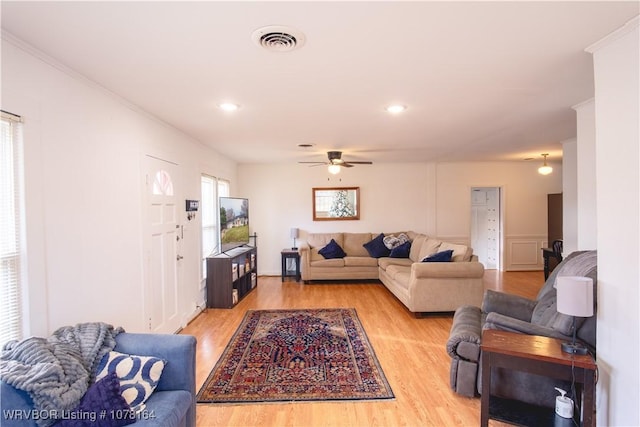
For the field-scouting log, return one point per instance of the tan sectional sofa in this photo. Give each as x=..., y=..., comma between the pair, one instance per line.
x=420, y=286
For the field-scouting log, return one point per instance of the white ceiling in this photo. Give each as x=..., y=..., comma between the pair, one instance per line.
x=482, y=80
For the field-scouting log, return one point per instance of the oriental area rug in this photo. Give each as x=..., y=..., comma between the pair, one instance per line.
x=297, y=355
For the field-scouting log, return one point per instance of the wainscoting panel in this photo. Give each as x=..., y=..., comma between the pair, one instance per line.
x=520, y=252
x=524, y=253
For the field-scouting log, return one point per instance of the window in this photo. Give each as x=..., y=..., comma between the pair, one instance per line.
x=162, y=184
x=211, y=188
x=223, y=188
x=10, y=229
x=209, y=219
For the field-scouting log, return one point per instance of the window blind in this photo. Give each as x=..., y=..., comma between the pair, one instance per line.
x=10, y=229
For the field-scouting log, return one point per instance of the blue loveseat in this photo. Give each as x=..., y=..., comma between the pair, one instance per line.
x=171, y=404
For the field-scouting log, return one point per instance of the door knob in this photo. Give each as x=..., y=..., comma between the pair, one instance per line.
x=179, y=257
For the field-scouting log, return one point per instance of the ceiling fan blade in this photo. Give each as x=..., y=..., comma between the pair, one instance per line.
x=345, y=164
x=315, y=163
x=360, y=163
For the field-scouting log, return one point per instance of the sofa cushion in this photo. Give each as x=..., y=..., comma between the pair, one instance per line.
x=360, y=261
x=335, y=262
x=401, y=251
x=396, y=271
x=545, y=313
x=429, y=247
x=383, y=263
x=460, y=252
x=320, y=240
x=416, y=245
x=443, y=256
x=166, y=408
x=332, y=250
x=353, y=243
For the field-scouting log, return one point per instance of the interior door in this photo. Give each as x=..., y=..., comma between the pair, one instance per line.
x=162, y=244
x=486, y=225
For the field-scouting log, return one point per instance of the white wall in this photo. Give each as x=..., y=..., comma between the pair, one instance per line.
x=393, y=197
x=524, y=193
x=84, y=150
x=617, y=90
x=586, y=174
x=570, y=196
x=430, y=198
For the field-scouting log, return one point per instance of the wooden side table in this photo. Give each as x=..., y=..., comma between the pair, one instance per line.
x=295, y=256
x=536, y=355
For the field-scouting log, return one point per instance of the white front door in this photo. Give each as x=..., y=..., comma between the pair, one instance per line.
x=161, y=247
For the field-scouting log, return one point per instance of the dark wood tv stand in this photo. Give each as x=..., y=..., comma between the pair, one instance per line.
x=231, y=275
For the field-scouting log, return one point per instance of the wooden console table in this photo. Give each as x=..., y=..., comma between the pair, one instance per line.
x=536, y=355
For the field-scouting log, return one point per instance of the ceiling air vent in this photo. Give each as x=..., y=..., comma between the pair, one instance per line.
x=277, y=38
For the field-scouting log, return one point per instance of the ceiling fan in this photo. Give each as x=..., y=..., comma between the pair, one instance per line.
x=335, y=162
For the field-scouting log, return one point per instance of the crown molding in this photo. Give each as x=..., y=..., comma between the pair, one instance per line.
x=583, y=103
x=628, y=27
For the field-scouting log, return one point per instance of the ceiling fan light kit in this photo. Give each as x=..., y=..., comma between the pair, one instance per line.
x=334, y=169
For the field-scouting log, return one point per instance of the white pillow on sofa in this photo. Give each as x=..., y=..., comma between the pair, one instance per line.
x=138, y=375
x=459, y=251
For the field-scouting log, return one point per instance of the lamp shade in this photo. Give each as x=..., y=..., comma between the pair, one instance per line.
x=294, y=233
x=575, y=295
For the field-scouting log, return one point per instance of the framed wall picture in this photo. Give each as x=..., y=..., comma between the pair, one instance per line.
x=336, y=203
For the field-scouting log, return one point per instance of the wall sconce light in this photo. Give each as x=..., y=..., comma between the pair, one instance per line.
x=545, y=169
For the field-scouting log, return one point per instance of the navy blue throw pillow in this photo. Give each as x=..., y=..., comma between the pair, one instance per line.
x=102, y=405
x=401, y=251
x=332, y=250
x=444, y=256
x=376, y=247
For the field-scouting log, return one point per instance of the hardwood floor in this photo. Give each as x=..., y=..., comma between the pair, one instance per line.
x=411, y=352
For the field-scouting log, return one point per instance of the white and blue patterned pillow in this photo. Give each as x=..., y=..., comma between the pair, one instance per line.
x=138, y=375
x=392, y=242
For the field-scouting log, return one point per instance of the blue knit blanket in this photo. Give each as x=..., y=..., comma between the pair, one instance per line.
x=56, y=371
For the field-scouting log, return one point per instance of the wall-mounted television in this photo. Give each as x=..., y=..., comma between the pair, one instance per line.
x=234, y=222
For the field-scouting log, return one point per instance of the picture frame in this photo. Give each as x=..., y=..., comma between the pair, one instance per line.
x=336, y=203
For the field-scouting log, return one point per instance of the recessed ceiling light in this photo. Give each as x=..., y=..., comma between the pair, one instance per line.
x=396, y=108
x=228, y=106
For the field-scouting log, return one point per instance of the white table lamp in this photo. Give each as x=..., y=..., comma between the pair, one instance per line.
x=294, y=236
x=575, y=298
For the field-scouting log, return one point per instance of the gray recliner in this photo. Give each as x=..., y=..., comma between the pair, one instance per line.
x=516, y=314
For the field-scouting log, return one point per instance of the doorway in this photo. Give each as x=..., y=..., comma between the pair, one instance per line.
x=486, y=225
